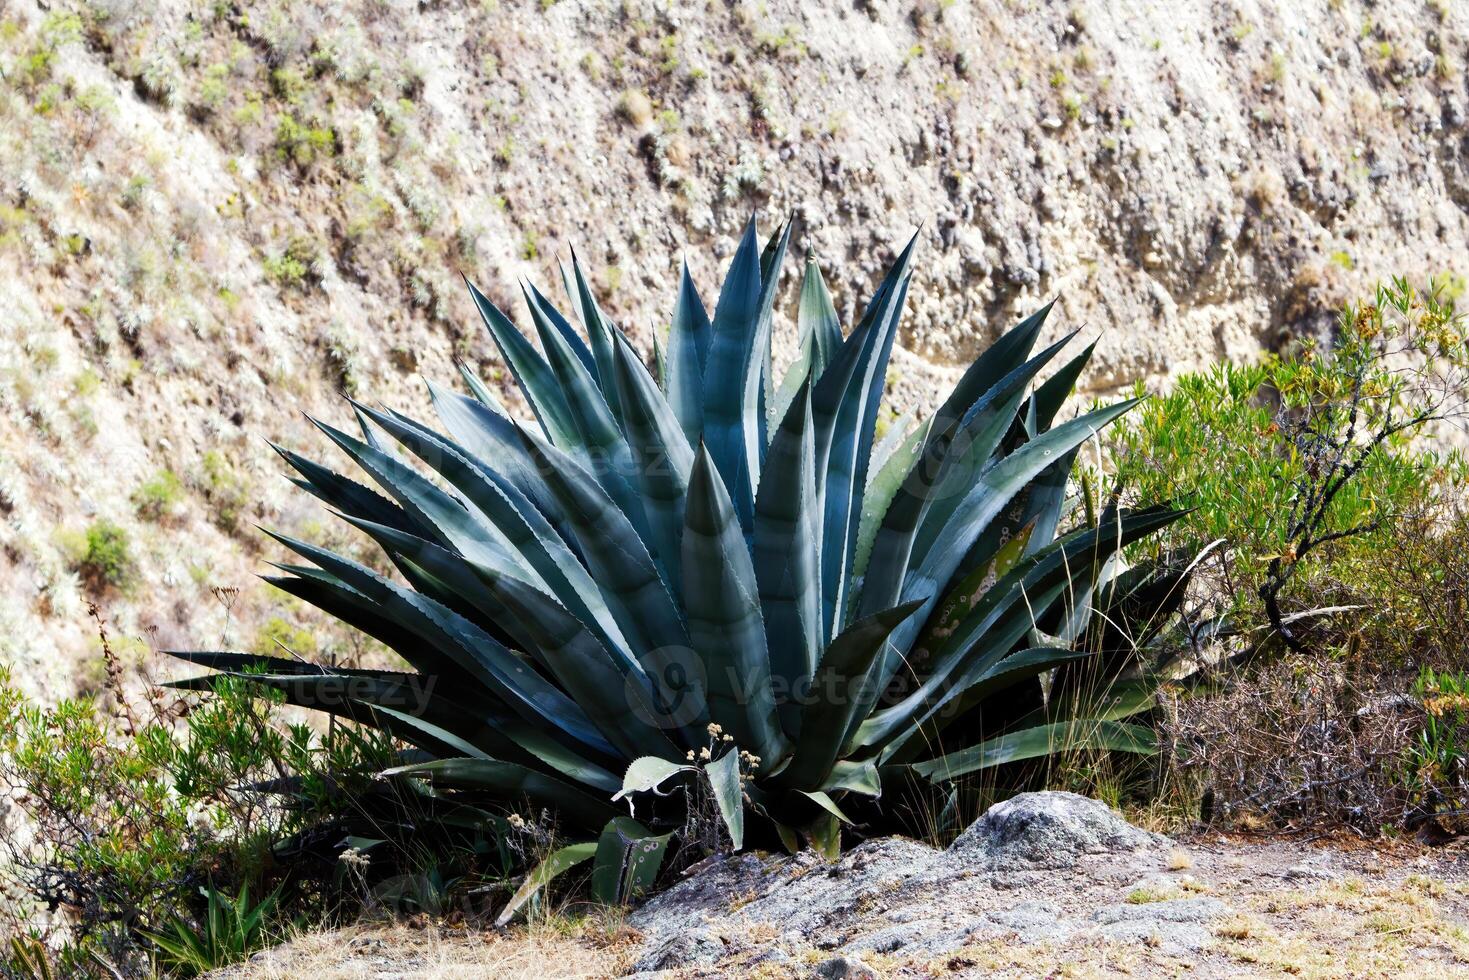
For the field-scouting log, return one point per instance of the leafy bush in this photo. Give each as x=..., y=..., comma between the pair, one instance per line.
x=158, y=497
x=1340, y=565
x=721, y=589
x=102, y=558
x=136, y=817
x=1437, y=763
x=1305, y=465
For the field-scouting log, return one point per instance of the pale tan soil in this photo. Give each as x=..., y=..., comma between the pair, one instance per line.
x=1303, y=909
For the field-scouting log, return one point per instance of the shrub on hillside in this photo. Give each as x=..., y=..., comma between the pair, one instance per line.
x=1338, y=562
x=133, y=818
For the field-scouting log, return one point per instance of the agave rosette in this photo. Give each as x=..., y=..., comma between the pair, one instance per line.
x=709, y=575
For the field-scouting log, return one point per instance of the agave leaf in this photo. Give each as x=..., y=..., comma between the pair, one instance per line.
x=573, y=295
x=533, y=742
x=828, y=804
x=1052, y=394
x=1038, y=507
x=855, y=777
x=531, y=372
x=522, y=525
x=472, y=649
x=610, y=684
x=1012, y=348
x=627, y=862
x=820, y=337
x=722, y=600
x=760, y=392
x=480, y=390
x=1013, y=602
x=541, y=307
x=487, y=435
x=509, y=782
x=356, y=610
x=975, y=445
x=724, y=779
x=928, y=499
x=689, y=337
x=731, y=373
x=1042, y=740
x=558, y=863
x=845, y=403
x=430, y=507
x=646, y=774
x=607, y=681
x=329, y=692
x=1112, y=702
x=787, y=556
x=663, y=460
x=602, y=333
x=839, y=696
x=991, y=493
x=881, y=489
x=615, y=554
x=348, y=495
x=963, y=597
x=606, y=453
x=825, y=834
x=660, y=362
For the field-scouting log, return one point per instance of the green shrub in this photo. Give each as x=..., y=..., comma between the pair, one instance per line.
x=102, y=558
x=732, y=603
x=1341, y=564
x=301, y=143
x=1302, y=465
x=296, y=266
x=1436, y=767
x=158, y=497
x=277, y=634
x=227, y=491
x=142, y=813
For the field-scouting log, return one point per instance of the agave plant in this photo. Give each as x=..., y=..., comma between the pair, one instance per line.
x=709, y=577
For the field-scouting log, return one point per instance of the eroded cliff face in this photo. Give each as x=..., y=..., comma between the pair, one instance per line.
x=214, y=221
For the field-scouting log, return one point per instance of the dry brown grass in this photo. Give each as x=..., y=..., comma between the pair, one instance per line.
x=546, y=950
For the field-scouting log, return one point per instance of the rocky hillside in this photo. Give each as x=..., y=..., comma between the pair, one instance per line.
x=214, y=219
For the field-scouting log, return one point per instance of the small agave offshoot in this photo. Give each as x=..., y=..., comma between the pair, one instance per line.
x=701, y=582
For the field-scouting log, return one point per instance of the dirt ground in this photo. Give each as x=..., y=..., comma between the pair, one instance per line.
x=1298, y=907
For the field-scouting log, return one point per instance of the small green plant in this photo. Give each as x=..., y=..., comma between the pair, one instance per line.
x=230, y=929
x=158, y=497
x=141, y=808
x=278, y=635
x=227, y=490
x=1437, y=764
x=296, y=266
x=103, y=559
x=301, y=143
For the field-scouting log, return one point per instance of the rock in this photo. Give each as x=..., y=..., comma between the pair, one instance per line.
x=1174, y=927
x=1049, y=830
x=696, y=947
x=843, y=968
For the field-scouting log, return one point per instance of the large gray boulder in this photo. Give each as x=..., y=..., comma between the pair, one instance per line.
x=901, y=898
x=1049, y=830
